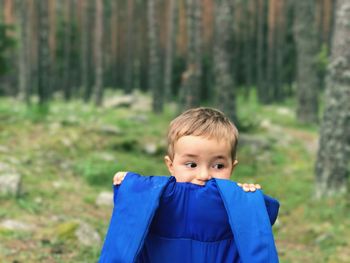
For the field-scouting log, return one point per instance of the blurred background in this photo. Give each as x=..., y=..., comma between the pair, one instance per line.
x=88, y=88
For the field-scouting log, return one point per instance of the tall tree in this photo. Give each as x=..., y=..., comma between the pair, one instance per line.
x=191, y=78
x=43, y=52
x=129, y=60
x=307, y=79
x=154, y=60
x=67, y=68
x=170, y=41
x=224, y=86
x=53, y=43
x=23, y=53
x=271, y=51
x=261, y=6
x=114, y=40
x=332, y=166
x=86, y=49
x=248, y=50
x=98, y=92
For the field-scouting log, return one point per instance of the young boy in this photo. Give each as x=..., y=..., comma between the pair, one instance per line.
x=187, y=133
x=196, y=215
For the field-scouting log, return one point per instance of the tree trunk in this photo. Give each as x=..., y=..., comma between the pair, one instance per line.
x=307, y=79
x=85, y=50
x=88, y=50
x=67, y=69
x=129, y=62
x=224, y=87
x=168, y=76
x=43, y=53
x=261, y=47
x=247, y=49
x=114, y=41
x=23, y=93
x=1, y=12
x=53, y=44
x=192, y=76
x=98, y=53
x=154, y=60
x=332, y=166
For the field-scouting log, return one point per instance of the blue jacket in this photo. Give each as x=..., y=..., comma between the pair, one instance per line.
x=156, y=220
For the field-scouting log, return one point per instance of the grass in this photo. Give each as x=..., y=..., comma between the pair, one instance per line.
x=65, y=161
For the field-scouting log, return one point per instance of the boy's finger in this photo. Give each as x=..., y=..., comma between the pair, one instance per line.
x=252, y=187
x=258, y=186
x=246, y=187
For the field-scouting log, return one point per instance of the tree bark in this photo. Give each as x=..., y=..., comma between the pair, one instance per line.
x=114, y=40
x=43, y=53
x=248, y=48
x=98, y=53
x=53, y=44
x=23, y=93
x=67, y=69
x=332, y=166
x=261, y=46
x=170, y=41
x=129, y=62
x=154, y=60
x=224, y=86
x=191, y=78
x=307, y=79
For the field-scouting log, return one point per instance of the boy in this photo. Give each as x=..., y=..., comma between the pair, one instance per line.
x=196, y=215
x=187, y=133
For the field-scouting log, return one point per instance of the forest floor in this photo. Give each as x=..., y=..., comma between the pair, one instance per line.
x=67, y=156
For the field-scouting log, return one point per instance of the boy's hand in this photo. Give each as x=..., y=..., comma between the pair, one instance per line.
x=118, y=178
x=249, y=187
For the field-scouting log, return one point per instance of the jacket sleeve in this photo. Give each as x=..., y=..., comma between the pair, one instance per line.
x=272, y=207
x=135, y=202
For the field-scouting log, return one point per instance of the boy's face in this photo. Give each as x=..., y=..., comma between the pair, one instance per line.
x=198, y=159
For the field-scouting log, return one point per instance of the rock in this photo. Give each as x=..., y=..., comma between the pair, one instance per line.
x=6, y=168
x=71, y=120
x=66, y=230
x=87, y=235
x=77, y=230
x=107, y=157
x=324, y=237
x=110, y=130
x=120, y=101
x=57, y=184
x=255, y=142
x=4, y=149
x=15, y=225
x=104, y=199
x=10, y=184
x=140, y=118
x=150, y=148
x=142, y=104
x=265, y=124
x=285, y=111
x=13, y=160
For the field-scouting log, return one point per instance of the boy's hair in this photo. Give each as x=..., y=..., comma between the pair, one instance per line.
x=207, y=122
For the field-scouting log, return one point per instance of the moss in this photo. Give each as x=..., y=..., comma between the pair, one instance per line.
x=66, y=230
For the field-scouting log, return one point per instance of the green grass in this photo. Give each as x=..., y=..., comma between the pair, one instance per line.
x=65, y=161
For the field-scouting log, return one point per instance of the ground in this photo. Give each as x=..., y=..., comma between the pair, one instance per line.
x=68, y=155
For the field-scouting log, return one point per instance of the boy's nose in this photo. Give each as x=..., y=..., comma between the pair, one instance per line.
x=204, y=175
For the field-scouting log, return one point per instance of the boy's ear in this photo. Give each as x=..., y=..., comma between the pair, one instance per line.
x=169, y=163
x=235, y=162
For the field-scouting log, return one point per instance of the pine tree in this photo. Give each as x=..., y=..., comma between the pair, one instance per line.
x=332, y=166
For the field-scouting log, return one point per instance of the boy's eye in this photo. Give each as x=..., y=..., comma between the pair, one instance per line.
x=219, y=166
x=191, y=165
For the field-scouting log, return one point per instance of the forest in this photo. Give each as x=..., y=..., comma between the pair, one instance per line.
x=88, y=88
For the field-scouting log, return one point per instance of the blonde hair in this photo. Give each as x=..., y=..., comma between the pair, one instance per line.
x=207, y=122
